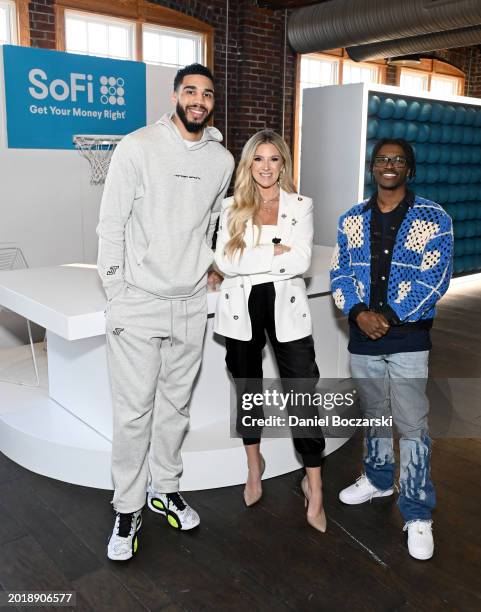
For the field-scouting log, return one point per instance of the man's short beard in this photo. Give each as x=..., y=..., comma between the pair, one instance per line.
x=392, y=187
x=191, y=126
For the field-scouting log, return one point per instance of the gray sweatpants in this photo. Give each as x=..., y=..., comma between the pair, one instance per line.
x=154, y=350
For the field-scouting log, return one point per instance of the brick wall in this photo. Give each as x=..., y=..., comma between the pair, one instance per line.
x=42, y=24
x=467, y=59
x=255, y=63
x=255, y=58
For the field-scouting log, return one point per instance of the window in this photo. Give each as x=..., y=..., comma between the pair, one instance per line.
x=133, y=29
x=412, y=80
x=359, y=73
x=170, y=47
x=332, y=68
x=90, y=34
x=436, y=76
x=445, y=86
x=8, y=22
x=318, y=71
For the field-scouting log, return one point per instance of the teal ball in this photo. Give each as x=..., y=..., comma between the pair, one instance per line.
x=434, y=154
x=448, y=114
x=470, y=116
x=468, y=136
x=425, y=112
x=475, y=155
x=460, y=115
x=423, y=133
x=445, y=157
x=399, y=129
x=373, y=105
x=437, y=112
x=384, y=130
x=443, y=172
x=435, y=133
x=459, y=265
x=411, y=131
x=401, y=108
x=413, y=110
x=447, y=134
x=387, y=108
x=372, y=128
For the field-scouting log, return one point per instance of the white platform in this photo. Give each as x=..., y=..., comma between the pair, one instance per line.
x=63, y=429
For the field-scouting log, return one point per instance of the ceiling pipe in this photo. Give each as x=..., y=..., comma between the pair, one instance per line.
x=343, y=23
x=464, y=37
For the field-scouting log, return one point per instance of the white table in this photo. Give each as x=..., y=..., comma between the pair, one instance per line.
x=66, y=432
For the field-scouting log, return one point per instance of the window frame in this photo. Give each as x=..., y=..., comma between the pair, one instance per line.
x=182, y=34
x=141, y=12
x=11, y=10
x=21, y=19
x=334, y=54
x=435, y=68
x=106, y=19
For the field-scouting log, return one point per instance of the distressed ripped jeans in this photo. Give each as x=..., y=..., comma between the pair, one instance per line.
x=395, y=385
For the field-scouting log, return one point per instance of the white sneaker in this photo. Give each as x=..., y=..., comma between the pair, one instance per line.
x=124, y=542
x=173, y=506
x=362, y=491
x=420, y=539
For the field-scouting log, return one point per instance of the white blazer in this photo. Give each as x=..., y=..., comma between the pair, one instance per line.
x=291, y=311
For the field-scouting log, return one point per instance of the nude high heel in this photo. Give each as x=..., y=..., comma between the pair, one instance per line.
x=319, y=521
x=253, y=494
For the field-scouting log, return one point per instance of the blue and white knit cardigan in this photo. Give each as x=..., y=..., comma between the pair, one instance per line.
x=421, y=264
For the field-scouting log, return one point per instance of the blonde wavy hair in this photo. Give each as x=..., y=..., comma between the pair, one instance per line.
x=247, y=199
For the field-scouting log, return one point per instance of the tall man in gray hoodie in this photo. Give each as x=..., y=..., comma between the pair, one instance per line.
x=159, y=208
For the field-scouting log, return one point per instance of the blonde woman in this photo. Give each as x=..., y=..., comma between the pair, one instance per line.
x=263, y=247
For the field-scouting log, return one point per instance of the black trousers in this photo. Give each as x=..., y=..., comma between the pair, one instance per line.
x=295, y=360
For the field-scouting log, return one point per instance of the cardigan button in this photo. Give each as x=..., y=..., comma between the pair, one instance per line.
x=300, y=199
x=235, y=317
x=304, y=315
x=282, y=270
x=293, y=299
x=226, y=296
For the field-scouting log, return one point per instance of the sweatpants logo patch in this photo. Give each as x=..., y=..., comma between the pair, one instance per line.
x=112, y=270
x=118, y=330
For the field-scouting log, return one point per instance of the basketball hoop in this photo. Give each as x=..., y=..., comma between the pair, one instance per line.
x=98, y=149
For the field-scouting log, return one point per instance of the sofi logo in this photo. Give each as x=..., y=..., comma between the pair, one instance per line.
x=80, y=87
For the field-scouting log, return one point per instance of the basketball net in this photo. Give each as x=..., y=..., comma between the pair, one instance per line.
x=98, y=150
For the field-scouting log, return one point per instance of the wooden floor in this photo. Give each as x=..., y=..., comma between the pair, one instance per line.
x=53, y=535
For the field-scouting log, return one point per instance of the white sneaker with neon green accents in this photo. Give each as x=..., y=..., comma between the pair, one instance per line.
x=174, y=507
x=124, y=542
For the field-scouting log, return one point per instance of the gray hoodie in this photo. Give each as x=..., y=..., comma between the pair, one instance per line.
x=159, y=209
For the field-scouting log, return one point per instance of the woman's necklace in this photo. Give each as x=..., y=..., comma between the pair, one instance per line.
x=269, y=209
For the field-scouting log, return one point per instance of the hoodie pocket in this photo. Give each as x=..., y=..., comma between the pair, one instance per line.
x=142, y=256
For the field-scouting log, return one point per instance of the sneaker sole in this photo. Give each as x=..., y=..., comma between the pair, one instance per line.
x=420, y=557
x=387, y=493
x=172, y=518
x=135, y=547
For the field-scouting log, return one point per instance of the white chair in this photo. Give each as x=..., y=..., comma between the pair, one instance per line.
x=12, y=258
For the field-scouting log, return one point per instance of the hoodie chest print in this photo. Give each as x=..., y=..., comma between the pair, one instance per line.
x=188, y=177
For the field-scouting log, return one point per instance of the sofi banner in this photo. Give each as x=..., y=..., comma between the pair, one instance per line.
x=50, y=96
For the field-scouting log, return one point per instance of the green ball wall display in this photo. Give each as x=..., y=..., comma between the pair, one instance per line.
x=446, y=138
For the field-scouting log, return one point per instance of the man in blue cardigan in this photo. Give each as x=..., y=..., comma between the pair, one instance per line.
x=391, y=264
